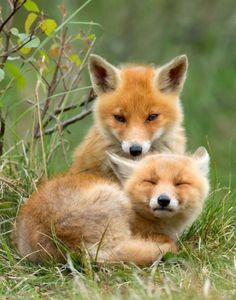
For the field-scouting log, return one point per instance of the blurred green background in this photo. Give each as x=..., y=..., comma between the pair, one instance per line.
x=155, y=31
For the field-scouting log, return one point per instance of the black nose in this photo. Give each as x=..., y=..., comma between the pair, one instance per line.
x=135, y=150
x=163, y=200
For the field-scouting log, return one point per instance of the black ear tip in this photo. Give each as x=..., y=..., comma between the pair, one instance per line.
x=182, y=59
x=95, y=59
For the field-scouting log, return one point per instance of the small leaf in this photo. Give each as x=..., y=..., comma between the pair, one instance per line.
x=75, y=58
x=25, y=50
x=14, y=31
x=34, y=42
x=43, y=53
x=15, y=72
x=48, y=26
x=92, y=36
x=23, y=37
x=31, y=6
x=29, y=21
x=13, y=57
x=2, y=74
x=78, y=37
x=54, y=50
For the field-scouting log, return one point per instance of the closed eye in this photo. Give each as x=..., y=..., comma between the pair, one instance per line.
x=150, y=181
x=182, y=183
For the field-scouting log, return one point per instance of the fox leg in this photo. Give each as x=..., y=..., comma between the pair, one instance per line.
x=142, y=252
x=163, y=239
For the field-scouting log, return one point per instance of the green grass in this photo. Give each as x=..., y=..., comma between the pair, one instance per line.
x=204, y=268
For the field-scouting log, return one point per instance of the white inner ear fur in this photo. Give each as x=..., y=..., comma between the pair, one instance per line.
x=104, y=76
x=202, y=160
x=170, y=78
x=122, y=167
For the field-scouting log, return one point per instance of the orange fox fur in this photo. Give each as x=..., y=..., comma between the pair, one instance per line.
x=126, y=225
x=136, y=106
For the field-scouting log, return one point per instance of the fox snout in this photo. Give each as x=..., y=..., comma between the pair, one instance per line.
x=134, y=148
x=163, y=202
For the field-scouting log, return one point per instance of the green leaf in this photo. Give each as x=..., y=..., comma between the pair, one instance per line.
x=92, y=36
x=33, y=43
x=75, y=58
x=78, y=37
x=2, y=74
x=31, y=6
x=23, y=37
x=13, y=57
x=14, y=31
x=29, y=21
x=15, y=72
x=48, y=26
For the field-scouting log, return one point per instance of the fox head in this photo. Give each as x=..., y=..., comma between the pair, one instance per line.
x=165, y=185
x=137, y=105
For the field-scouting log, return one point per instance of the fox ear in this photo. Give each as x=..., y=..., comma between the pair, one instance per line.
x=202, y=159
x=104, y=76
x=122, y=167
x=170, y=77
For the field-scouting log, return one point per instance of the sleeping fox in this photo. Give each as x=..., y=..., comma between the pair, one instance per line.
x=137, y=111
x=139, y=222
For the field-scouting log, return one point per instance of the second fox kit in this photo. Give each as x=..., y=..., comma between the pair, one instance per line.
x=137, y=111
x=163, y=194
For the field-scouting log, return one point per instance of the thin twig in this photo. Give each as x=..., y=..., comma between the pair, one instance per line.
x=54, y=81
x=14, y=11
x=17, y=48
x=2, y=131
x=90, y=98
x=57, y=112
x=66, y=123
x=40, y=119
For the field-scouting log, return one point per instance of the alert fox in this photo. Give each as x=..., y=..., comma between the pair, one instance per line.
x=137, y=111
x=161, y=195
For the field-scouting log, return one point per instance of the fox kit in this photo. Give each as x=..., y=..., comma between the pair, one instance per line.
x=163, y=193
x=137, y=111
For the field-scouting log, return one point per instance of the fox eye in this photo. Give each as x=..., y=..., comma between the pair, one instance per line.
x=181, y=183
x=120, y=118
x=150, y=181
x=152, y=117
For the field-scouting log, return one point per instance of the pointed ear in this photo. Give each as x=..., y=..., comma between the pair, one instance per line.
x=202, y=159
x=170, y=78
x=122, y=167
x=104, y=76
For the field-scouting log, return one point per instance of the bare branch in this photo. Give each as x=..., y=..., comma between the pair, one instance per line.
x=90, y=98
x=2, y=131
x=14, y=11
x=57, y=112
x=17, y=48
x=53, y=84
x=66, y=123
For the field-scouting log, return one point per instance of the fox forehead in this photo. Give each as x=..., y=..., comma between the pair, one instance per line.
x=165, y=166
x=136, y=94
x=137, y=76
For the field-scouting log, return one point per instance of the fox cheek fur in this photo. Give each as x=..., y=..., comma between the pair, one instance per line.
x=137, y=105
x=166, y=187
